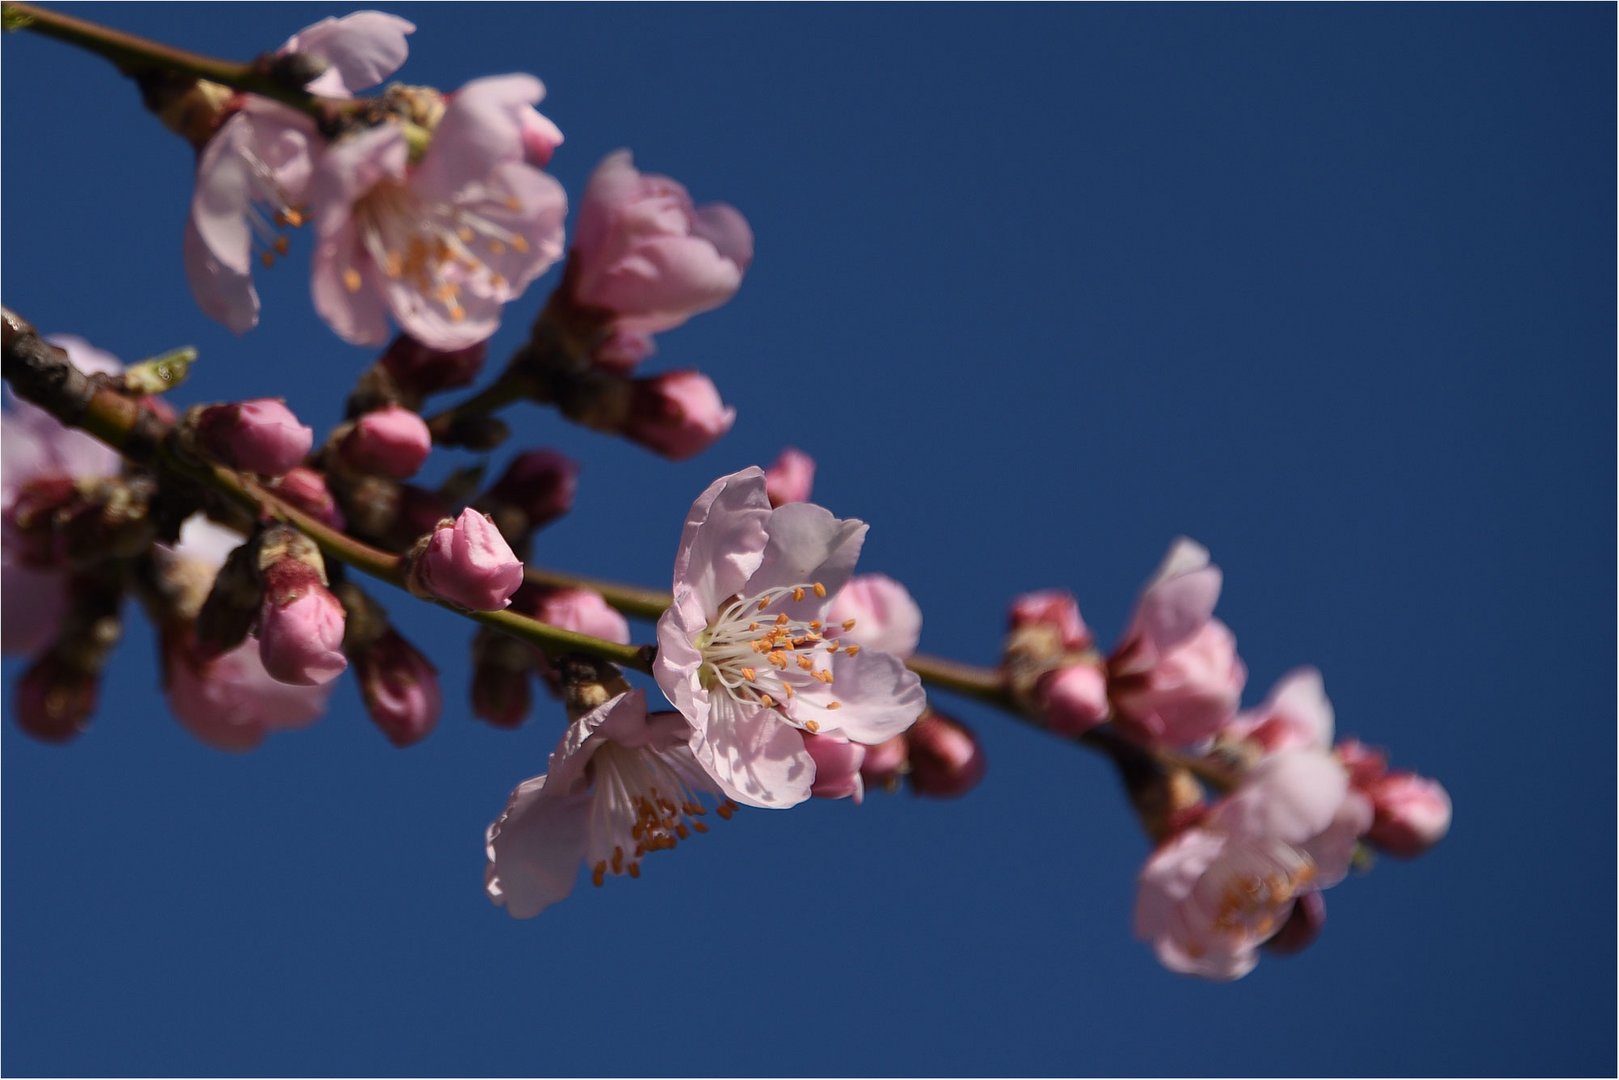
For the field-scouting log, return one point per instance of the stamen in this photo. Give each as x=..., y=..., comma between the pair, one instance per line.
x=820, y=590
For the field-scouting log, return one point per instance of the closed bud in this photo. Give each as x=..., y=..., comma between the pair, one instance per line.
x=837, y=767
x=300, y=622
x=539, y=485
x=946, y=758
x=1411, y=814
x=55, y=699
x=306, y=489
x=260, y=436
x=1074, y=699
x=466, y=562
x=420, y=370
x=391, y=441
x=678, y=414
x=400, y=688
x=791, y=478
x=886, y=763
x=1055, y=608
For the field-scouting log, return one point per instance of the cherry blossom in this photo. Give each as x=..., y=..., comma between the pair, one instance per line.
x=746, y=652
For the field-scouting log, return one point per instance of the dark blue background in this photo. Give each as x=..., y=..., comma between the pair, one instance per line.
x=1330, y=289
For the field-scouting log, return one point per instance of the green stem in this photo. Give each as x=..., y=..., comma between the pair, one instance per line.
x=135, y=55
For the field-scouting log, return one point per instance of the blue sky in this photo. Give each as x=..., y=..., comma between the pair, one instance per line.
x=1330, y=289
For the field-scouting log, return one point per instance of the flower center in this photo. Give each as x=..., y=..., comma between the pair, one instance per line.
x=269, y=241
x=436, y=248
x=644, y=802
x=1256, y=893
x=762, y=660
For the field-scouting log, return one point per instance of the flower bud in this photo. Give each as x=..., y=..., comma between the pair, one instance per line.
x=583, y=611
x=1187, y=694
x=886, y=763
x=946, y=758
x=837, y=767
x=466, y=562
x=55, y=699
x=539, y=484
x=500, y=679
x=400, y=688
x=1304, y=924
x=306, y=489
x=420, y=370
x=1055, y=608
x=391, y=441
x=1074, y=699
x=1366, y=764
x=885, y=617
x=260, y=436
x=678, y=414
x=790, y=479
x=300, y=642
x=1411, y=814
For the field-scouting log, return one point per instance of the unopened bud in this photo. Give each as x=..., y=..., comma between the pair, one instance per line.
x=419, y=370
x=1074, y=699
x=400, y=688
x=306, y=489
x=886, y=763
x=1055, y=608
x=55, y=700
x=583, y=611
x=1411, y=814
x=539, y=485
x=946, y=758
x=261, y=436
x=501, y=666
x=837, y=767
x=466, y=562
x=1365, y=764
x=300, y=622
x=391, y=441
x=791, y=478
x=1304, y=924
x=678, y=414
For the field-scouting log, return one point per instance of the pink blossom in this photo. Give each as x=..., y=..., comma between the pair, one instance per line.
x=1057, y=609
x=1210, y=896
x=837, y=767
x=620, y=785
x=790, y=478
x=884, y=616
x=301, y=641
x=37, y=450
x=584, y=612
x=1073, y=699
x=644, y=252
x=1176, y=678
x=745, y=651
x=946, y=759
x=678, y=414
x=468, y=563
x=1297, y=715
x=262, y=156
x=442, y=245
x=260, y=436
x=1412, y=814
x=390, y=441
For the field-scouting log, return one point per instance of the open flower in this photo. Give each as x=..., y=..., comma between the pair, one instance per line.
x=253, y=174
x=620, y=785
x=746, y=652
x=443, y=244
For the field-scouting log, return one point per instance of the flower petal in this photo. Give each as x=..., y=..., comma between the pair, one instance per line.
x=535, y=848
x=807, y=545
x=754, y=757
x=876, y=695
x=724, y=538
x=363, y=49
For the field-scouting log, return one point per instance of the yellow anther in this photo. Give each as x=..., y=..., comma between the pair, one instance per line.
x=282, y=245
x=815, y=624
x=618, y=860
x=848, y=624
x=465, y=234
x=752, y=626
x=763, y=604
x=351, y=280
x=598, y=874
x=798, y=592
x=496, y=247
x=635, y=870
x=820, y=590
x=851, y=649
x=782, y=619
x=520, y=244
x=266, y=259
x=767, y=701
x=834, y=704
x=811, y=726
x=749, y=674
x=806, y=663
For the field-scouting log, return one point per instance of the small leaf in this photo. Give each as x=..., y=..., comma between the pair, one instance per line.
x=160, y=374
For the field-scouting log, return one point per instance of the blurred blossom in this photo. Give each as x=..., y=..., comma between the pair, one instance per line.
x=1412, y=813
x=791, y=478
x=884, y=616
x=1297, y=715
x=1055, y=608
x=678, y=414
x=400, y=688
x=390, y=441
x=946, y=759
x=260, y=436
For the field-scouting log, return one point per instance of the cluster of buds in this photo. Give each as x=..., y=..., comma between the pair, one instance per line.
x=1294, y=812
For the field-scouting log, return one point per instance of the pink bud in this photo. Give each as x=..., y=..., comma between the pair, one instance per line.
x=678, y=414
x=301, y=641
x=400, y=688
x=422, y=370
x=259, y=436
x=468, y=563
x=886, y=762
x=790, y=479
x=1074, y=699
x=837, y=767
x=1366, y=764
x=55, y=700
x=540, y=483
x=1056, y=608
x=1412, y=814
x=391, y=441
x=622, y=351
x=583, y=611
x=946, y=759
x=1304, y=924
x=1185, y=694
x=306, y=489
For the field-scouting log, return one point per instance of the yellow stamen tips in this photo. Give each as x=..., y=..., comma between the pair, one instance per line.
x=496, y=247
x=750, y=674
x=635, y=870
x=782, y=619
x=465, y=234
x=777, y=659
x=811, y=726
x=752, y=626
x=820, y=590
x=497, y=280
x=682, y=832
x=282, y=245
x=848, y=624
x=266, y=259
x=351, y=280
x=457, y=314
x=789, y=688
x=798, y=592
x=764, y=604
x=823, y=676
x=815, y=624
x=806, y=663
x=851, y=649
x=289, y=216
x=832, y=646
x=618, y=860
x=446, y=290
x=698, y=826
x=513, y=205
x=725, y=809
x=767, y=701
x=520, y=245
x=834, y=705
x=598, y=874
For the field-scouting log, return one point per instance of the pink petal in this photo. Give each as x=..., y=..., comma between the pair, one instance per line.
x=724, y=538
x=482, y=128
x=754, y=757
x=877, y=696
x=886, y=617
x=1291, y=796
x=808, y=545
x=358, y=315
x=535, y=848
x=227, y=296
x=363, y=49
x=34, y=602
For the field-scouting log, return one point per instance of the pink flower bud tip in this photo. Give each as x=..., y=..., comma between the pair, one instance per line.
x=391, y=441
x=791, y=478
x=261, y=436
x=306, y=489
x=837, y=767
x=1075, y=699
x=1411, y=814
x=946, y=759
x=678, y=415
x=301, y=641
x=886, y=762
x=540, y=483
x=400, y=688
x=1055, y=608
x=468, y=563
